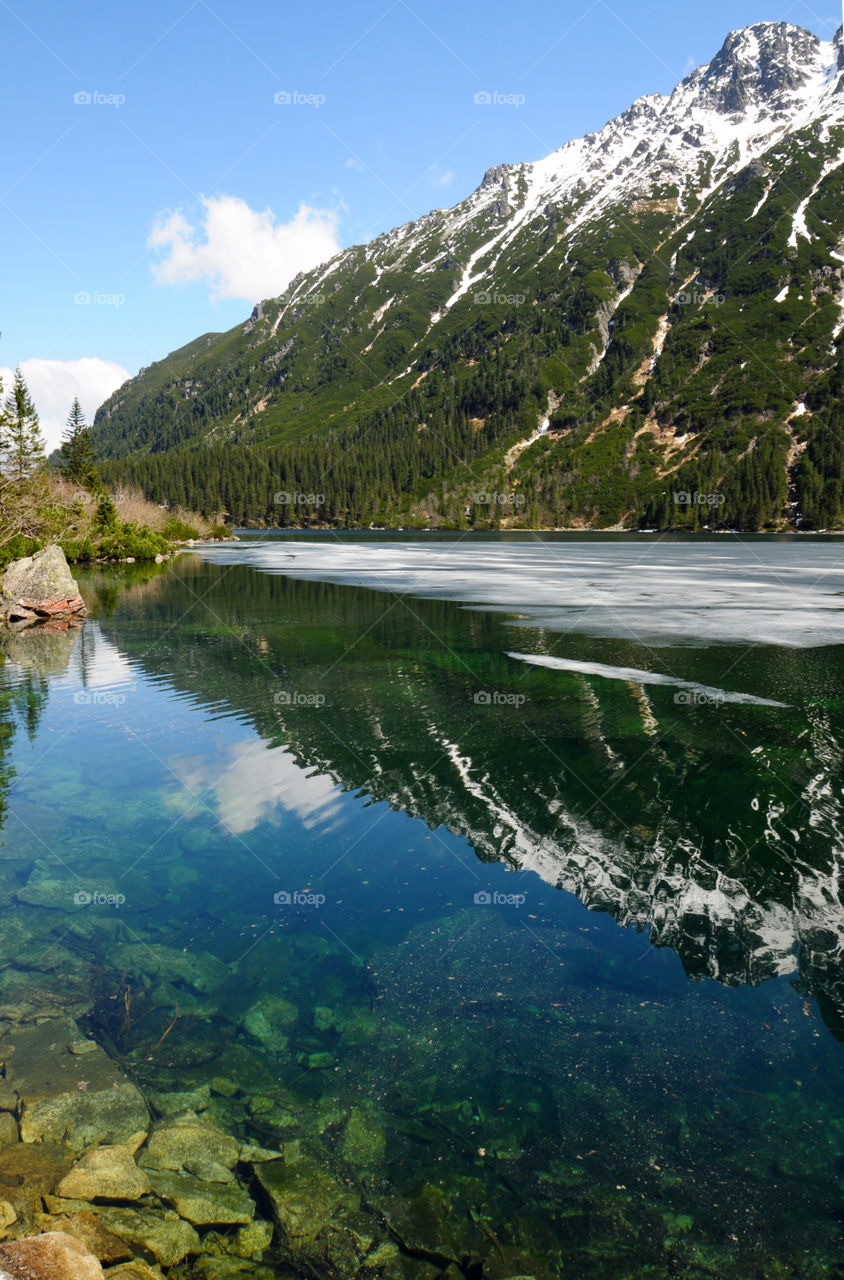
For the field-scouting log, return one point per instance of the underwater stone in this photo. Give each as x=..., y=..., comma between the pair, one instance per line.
x=250, y=1154
x=364, y=1142
x=318, y=1061
x=28, y=1172
x=9, y=1100
x=8, y=1129
x=106, y=1173
x=266, y=1020
x=323, y=1018
x=51, y=1256
x=135, y=1270
x=359, y=1028
x=304, y=1197
x=434, y=1222
x=65, y=1098
x=170, y=1104
x=216, y=1268
x=189, y=1144
x=8, y=1214
x=30, y=996
x=253, y=1240
x=85, y=1226
x=164, y=1234
x=226, y=1088
x=203, y=972
x=203, y=1203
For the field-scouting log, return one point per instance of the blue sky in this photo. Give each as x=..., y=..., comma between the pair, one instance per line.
x=153, y=188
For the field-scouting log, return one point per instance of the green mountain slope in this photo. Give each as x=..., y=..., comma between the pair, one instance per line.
x=645, y=328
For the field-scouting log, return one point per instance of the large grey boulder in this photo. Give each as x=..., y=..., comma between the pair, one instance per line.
x=39, y=588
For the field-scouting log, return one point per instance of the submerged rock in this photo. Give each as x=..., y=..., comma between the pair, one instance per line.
x=187, y=1144
x=28, y=1173
x=28, y=996
x=203, y=1203
x=364, y=1142
x=268, y=1019
x=434, y=1224
x=305, y=1198
x=52, y=1256
x=38, y=588
x=161, y=1232
x=170, y=1104
x=135, y=1270
x=65, y=1097
x=215, y=1268
x=323, y=1018
x=106, y=1173
x=8, y=1129
x=203, y=972
x=87, y=1228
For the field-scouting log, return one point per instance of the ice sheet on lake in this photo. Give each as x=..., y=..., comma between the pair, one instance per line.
x=652, y=592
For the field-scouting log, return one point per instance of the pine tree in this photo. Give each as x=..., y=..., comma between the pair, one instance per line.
x=76, y=456
x=21, y=444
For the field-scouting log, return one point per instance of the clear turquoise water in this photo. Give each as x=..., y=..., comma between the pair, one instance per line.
x=628, y=1063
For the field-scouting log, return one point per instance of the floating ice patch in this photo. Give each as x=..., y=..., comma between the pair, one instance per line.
x=635, y=676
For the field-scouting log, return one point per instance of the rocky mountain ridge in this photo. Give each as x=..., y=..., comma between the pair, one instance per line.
x=620, y=282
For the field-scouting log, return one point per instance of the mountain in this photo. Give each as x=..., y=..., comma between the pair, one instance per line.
x=643, y=328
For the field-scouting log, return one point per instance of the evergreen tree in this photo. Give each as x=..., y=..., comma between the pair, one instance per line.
x=21, y=443
x=76, y=456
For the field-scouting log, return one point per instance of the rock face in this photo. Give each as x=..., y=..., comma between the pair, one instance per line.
x=39, y=588
x=52, y=1256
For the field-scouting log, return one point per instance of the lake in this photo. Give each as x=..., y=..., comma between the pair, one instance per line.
x=494, y=881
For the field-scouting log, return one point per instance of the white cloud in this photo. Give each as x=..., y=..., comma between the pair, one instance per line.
x=256, y=783
x=441, y=179
x=352, y=162
x=54, y=383
x=241, y=252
